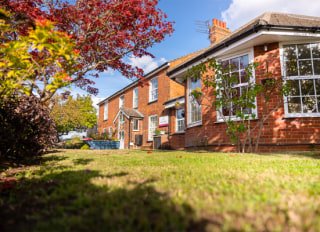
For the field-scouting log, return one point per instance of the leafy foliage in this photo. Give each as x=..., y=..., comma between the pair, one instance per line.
x=105, y=31
x=26, y=128
x=43, y=60
x=74, y=114
x=234, y=105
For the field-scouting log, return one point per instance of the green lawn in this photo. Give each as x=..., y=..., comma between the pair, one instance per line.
x=77, y=190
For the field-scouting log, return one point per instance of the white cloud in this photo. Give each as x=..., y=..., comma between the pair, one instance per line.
x=242, y=11
x=146, y=63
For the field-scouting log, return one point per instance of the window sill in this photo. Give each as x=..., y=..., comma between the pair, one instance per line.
x=149, y=141
x=236, y=120
x=302, y=116
x=135, y=130
x=199, y=123
x=105, y=120
x=152, y=101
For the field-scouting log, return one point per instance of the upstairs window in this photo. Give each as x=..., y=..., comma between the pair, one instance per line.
x=135, y=98
x=153, y=90
x=121, y=101
x=301, y=68
x=105, y=115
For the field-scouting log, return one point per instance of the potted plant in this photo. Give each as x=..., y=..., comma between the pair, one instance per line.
x=178, y=106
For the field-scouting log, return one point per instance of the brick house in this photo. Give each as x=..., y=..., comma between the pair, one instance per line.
x=273, y=40
x=134, y=113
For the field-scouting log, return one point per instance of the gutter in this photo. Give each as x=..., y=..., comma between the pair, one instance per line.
x=253, y=30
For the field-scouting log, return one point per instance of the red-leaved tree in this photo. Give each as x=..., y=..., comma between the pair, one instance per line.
x=104, y=31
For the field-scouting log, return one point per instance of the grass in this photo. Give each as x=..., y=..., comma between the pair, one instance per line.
x=113, y=190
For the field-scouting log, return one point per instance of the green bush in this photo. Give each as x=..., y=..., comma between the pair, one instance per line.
x=85, y=147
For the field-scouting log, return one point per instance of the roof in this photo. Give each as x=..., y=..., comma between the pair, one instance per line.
x=129, y=113
x=134, y=83
x=171, y=102
x=268, y=20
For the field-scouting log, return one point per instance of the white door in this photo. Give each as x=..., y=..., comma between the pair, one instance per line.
x=121, y=137
x=121, y=130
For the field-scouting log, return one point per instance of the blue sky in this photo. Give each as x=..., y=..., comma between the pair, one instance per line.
x=185, y=39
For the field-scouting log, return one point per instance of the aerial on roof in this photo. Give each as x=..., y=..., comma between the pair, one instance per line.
x=266, y=21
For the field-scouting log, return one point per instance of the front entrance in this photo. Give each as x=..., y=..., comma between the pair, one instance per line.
x=121, y=131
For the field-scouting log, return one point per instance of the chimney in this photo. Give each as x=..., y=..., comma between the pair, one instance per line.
x=218, y=30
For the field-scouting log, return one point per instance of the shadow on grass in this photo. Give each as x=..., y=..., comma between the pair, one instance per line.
x=68, y=201
x=82, y=161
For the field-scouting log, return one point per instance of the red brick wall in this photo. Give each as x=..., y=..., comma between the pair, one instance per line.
x=278, y=133
x=167, y=89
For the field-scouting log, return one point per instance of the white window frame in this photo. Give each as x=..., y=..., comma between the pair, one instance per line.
x=177, y=122
x=190, y=102
x=307, y=77
x=133, y=124
x=121, y=101
x=250, y=54
x=135, y=98
x=153, y=91
x=151, y=130
x=105, y=111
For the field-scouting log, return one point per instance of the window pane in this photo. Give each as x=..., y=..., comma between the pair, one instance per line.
x=291, y=68
x=304, y=51
x=235, y=78
x=225, y=66
x=234, y=64
x=244, y=77
x=309, y=104
x=244, y=61
x=294, y=105
x=315, y=50
x=290, y=52
x=307, y=87
x=195, y=83
x=316, y=67
x=295, y=90
x=305, y=67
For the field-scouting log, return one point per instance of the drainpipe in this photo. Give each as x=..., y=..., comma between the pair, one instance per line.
x=169, y=127
x=129, y=132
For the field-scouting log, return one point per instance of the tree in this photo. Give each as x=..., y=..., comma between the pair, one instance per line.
x=105, y=32
x=234, y=104
x=72, y=114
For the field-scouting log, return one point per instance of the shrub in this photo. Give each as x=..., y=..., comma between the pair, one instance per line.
x=85, y=147
x=26, y=128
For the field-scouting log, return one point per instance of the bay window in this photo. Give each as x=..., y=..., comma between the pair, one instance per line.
x=194, y=109
x=301, y=69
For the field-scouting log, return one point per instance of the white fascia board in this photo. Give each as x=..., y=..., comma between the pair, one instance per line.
x=172, y=104
x=246, y=41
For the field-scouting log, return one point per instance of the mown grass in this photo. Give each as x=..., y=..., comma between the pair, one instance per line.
x=77, y=190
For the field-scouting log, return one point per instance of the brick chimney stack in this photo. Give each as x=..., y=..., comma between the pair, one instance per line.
x=218, y=30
